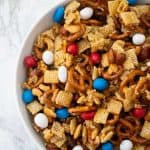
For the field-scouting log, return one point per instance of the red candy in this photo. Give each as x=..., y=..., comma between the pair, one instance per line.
x=95, y=58
x=87, y=115
x=139, y=112
x=30, y=62
x=72, y=49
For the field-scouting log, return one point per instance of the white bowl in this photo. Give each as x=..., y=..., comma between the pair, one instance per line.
x=44, y=23
x=41, y=25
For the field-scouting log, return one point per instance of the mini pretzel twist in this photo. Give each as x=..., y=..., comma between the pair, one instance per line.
x=130, y=78
x=146, y=19
x=116, y=36
x=113, y=121
x=76, y=36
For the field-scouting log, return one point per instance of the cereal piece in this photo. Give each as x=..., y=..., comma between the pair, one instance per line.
x=113, y=68
x=114, y=106
x=94, y=133
x=118, y=46
x=117, y=6
x=145, y=133
x=106, y=134
x=47, y=134
x=131, y=60
x=77, y=132
x=71, y=13
x=80, y=70
x=84, y=134
x=64, y=98
x=44, y=87
x=37, y=92
x=49, y=112
x=129, y=18
x=72, y=28
x=69, y=88
x=59, y=58
x=73, y=125
x=51, y=76
x=96, y=72
x=101, y=116
x=140, y=9
x=105, y=60
x=59, y=45
x=57, y=129
x=69, y=60
x=83, y=45
x=34, y=107
x=58, y=141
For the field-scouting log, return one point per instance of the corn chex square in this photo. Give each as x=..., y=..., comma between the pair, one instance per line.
x=129, y=18
x=34, y=107
x=101, y=116
x=145, y=133
x=51, y=76
x=114, y=107
x=64, y=98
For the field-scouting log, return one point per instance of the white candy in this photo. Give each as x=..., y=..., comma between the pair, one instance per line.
x=41, y=120
x=77, y=147
x=138, y=38
x=86, y=13
x=48, y=57
x=126, y=145
x=62, y=74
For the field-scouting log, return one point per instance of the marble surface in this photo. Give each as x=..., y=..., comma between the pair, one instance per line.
x=16, y=18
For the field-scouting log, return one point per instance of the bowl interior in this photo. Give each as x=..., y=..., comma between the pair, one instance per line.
x=44, y=23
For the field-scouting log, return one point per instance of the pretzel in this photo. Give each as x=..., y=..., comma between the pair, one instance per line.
x=116, y=36
x=114, y=76
x=146, y=19
x=80, y=109
x=113, y=120
x=38, y=52
x=130, y=78
x=78, y=82
x=139, y=140
x=111, y=56
x=92, y=22
x=77, y=35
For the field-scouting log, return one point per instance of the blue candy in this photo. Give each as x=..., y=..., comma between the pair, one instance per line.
x=27, y=96
x=62, y=113
x=59, y=14
x=132, y=2
x=100, y=84
x=107, y=146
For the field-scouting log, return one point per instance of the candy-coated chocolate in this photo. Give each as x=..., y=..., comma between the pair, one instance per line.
x=139, y=112
x=77, y=147
x=48, y=57
x=126, y=145
x=107, y=146
x=87, y=115
x=62, y=113
x=86, y=13
x=138, y=39
x=27, y=96
x=95, y=58
x=72, y=49
x=100, y=84
x=58, y=15
x=41, y=120
x=62, y=74
x=132, y=2
x=30, y=62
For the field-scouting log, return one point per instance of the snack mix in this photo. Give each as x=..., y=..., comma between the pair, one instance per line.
x=88, y=78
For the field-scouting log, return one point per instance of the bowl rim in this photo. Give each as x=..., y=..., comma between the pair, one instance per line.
x=24, y=41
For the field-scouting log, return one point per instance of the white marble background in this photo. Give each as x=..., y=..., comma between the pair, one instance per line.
x=16, y=18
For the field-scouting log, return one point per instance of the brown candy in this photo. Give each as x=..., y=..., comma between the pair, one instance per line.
x=120, y=58
x=145, y=54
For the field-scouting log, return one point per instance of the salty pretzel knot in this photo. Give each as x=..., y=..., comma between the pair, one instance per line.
x=108, y=76
x=76, y=36
x=113, y=120
x=117, y=36
x=146, y=19
x=93, y=22
x=130, y=78
x=78, y=81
